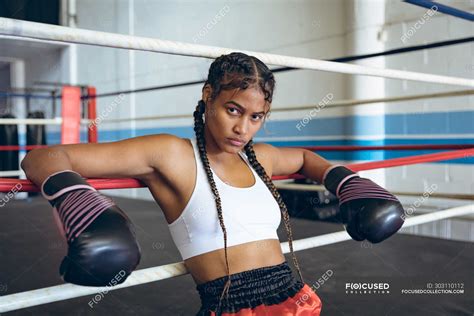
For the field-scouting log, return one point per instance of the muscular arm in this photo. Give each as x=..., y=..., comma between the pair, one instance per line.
x=314, y=166
x=289, y=160
x=134, y=157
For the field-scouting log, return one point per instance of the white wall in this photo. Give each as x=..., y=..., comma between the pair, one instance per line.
x=401, y=29
x=455, y=60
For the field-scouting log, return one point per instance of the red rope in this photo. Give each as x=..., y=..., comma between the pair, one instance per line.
x=314, y=148
x=389, y=147
x=16, y=147
x=7, y=185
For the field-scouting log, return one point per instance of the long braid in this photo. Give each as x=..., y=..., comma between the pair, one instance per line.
x=201, y=143
x=284, y=211
x=238, y=70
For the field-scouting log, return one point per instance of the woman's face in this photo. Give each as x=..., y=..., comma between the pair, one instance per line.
x=234, y=114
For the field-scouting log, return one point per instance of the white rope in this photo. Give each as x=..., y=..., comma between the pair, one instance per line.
x=12, y=173
x=300, y=187
x=31, y=121
x=354, y=102
x=67, y=291
x=143, y=118
x=333, y=238
x=81, y=36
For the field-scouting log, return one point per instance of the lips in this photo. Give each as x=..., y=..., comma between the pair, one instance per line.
x=236, y=142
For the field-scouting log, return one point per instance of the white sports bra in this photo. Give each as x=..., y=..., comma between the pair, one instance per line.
x=249, y=213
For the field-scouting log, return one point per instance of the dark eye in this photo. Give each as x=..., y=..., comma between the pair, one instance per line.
x=259, y=117
x=231, y=109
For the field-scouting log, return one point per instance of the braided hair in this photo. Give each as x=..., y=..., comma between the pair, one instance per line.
x=227, y=72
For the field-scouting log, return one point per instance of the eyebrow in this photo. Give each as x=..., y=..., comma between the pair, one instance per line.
x=242, y=108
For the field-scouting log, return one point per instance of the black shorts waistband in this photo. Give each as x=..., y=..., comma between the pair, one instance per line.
x=248, y=289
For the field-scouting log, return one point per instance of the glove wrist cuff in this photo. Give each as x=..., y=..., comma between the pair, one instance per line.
x=335, y=176
x=62, y=182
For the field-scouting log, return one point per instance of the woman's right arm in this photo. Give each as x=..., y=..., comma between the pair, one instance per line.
x=136, y=157
x=100, y=236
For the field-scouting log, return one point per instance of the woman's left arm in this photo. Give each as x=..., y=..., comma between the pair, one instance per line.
x=367, y=210
x=314, y=166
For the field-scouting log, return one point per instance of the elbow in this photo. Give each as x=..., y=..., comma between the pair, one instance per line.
x=304, y=155
x=28, y=162
x=38, y=163
x=39, y=160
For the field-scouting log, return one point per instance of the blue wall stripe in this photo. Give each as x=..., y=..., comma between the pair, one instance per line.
x=442, y=123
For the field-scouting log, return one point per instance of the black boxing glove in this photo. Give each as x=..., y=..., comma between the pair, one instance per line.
x=100, y=237
x=367, y=210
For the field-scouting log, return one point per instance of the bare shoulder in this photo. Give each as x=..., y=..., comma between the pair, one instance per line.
x=265, y=153
x=168, y=141
x=281, y=160
x=170, y=151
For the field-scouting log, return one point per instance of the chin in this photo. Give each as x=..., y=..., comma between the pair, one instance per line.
x=232, y=149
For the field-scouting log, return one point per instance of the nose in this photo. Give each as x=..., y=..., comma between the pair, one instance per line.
x=241, y=127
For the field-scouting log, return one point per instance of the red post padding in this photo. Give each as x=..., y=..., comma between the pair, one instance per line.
x=92, y=115
x=71, y=114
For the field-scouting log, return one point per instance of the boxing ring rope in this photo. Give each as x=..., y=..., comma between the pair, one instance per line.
x=333, y=104
x=67, y=291
x=383, y=147
x=21, y=147
x=31, y=121
x=312, y=148
x=344, y=59
x=316, y=187
x=11, y=173
x=80, y=36
x=120, y=183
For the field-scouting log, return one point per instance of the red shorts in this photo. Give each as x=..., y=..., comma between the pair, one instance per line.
x=263, y=291
x=304, y=303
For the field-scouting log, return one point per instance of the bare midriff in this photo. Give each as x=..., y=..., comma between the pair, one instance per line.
x=252, y=255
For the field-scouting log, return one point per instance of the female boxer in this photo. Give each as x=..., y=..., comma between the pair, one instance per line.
x=216, y=193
